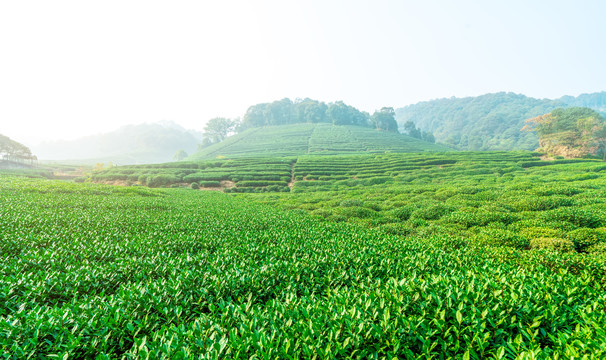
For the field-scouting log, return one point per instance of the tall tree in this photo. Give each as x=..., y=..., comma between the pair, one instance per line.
x=255, y=116
x=385, y=119
x=310, y=111
x=571, y=132
x=411, y=130
x=180, y=155
x=218, y=128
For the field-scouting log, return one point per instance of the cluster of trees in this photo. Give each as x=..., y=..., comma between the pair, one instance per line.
x=285, y=112
x=572, y=132
x=14, y=151
x=411, y=129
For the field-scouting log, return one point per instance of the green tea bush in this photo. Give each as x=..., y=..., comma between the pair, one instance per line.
x=500, y=237
x=352, y=202
x=584, y=238
x=357, y=212
x=556, y=244
x=403, y=213
x=597, y=249
x=260, y=183
x=161, y=180
x=210, y=176
x=195, y=186
x=432, y=212
x=209, y=184
x=541, y=232
x=581, y=217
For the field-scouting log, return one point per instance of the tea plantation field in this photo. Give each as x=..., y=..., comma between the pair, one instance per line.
x=502, y=199
x=98, y=271
x=320, y=138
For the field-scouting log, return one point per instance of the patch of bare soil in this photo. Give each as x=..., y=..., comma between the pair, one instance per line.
x=227, y=184
x=114, y=182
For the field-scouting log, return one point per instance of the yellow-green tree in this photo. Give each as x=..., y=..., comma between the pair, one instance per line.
x=572, y=132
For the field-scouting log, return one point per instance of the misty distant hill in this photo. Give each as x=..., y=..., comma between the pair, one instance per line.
x=317, y=139
x=488, y=122
x=131, y=144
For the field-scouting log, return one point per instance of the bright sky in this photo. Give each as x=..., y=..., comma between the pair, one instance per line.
x=73, y=68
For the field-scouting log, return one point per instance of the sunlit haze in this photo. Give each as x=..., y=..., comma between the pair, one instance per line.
x=74, y=68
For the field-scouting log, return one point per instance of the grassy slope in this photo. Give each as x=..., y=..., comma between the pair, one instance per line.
x=326, y=139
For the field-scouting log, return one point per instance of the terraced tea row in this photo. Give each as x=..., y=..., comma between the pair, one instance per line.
x=322, y=139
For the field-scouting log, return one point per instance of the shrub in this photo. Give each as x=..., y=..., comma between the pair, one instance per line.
x=357, y=212
x=598, y=249
x=584, y=238
x=557, y=244
x=206, y=176
x=351, y=202
x=402, y=213
x=432, y=212
x=161, y=180
x=195, y=186
x=541, y=232
x=260, y=183
x=209, y=183
x=396, y=229
x=581, y=217
x=501, y=237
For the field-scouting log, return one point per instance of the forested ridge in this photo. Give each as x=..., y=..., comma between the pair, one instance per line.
x=488, y=122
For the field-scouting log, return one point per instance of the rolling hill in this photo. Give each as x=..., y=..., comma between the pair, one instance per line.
x=131, y=144
x=488, y=122
x=319, y=139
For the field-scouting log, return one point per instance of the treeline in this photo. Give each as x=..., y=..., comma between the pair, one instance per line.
x=287, y=112
x=14, y=151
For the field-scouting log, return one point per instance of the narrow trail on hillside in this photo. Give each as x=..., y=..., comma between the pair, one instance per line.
x=292, y=174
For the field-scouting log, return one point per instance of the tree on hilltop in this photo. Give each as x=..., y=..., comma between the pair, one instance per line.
x=385, y=119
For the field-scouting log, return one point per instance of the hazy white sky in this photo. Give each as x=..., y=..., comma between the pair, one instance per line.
x=72, y=68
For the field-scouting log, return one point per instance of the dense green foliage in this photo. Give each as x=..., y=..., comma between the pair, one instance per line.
x=299, y=139
x=285, y=112
x=109, y=272
x=571, y=132
x=488, y=122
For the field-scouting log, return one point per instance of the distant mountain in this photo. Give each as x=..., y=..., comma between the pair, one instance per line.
x=595, y=101
x=131, y=144
x=317, y=139
x=488, y=122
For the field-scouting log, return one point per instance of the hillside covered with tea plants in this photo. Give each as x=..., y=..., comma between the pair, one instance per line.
x=99, y=271
x=316, y=138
